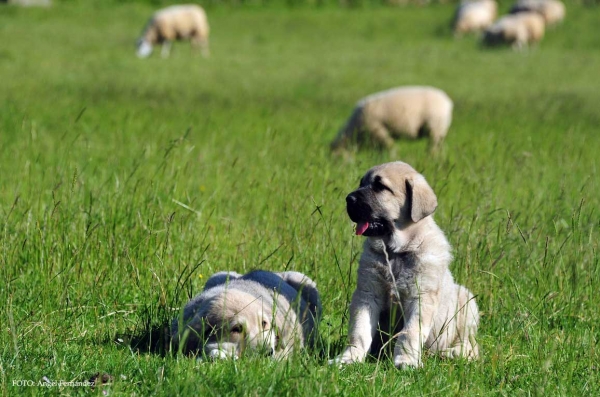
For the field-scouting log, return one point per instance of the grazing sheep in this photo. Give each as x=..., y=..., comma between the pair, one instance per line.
x=474, y=16
x=411, y=112
x=29, y=3
x=519, y=30
x=553, y=11
x=175, y=23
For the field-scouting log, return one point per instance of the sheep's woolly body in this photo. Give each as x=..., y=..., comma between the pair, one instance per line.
x=182, y=22
x=410, y=112
x=474, y=16
x=517, y=29
x=553, y=11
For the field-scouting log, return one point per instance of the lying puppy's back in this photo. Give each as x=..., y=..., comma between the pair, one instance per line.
x=298, y=290
x=274, y=283
x=288, y=284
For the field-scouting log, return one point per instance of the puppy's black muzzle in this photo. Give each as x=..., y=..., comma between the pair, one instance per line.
x=359, y=210
x=357, y=207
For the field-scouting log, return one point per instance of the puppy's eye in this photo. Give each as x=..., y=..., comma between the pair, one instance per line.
x=237, y=329
x=208, y=329
x=265, y=325
x=378, y=186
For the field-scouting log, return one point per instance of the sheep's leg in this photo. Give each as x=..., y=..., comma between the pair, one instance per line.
x=381, y=137
x=435, y=145
x=202, y=45
x=166, y=49
x=521, y=42
x=204, y=48
x=437, y=128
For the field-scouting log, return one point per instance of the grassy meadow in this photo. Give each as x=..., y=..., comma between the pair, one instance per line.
x=125, y=183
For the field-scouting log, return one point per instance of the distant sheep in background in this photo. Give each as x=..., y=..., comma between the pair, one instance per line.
x=474, y=16
x=181, y=22
x=412, y=112
x=29, y=3
x=553, y=11
x=518, y=30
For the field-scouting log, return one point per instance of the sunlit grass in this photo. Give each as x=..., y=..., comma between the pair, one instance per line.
x=123, y=181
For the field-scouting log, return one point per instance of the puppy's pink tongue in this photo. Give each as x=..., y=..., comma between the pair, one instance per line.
x=361, y=227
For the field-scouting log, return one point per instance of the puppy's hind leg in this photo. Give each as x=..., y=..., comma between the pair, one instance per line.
x=467, y=323
x=466, y=348
x=469, y=347
x=307, y=288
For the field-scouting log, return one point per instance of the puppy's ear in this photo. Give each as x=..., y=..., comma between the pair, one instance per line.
x=423, y=201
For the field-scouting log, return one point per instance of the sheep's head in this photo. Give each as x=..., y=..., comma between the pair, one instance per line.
x=144, y=48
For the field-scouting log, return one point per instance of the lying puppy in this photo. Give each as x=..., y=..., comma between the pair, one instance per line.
x=264, y=312
x=403, y=272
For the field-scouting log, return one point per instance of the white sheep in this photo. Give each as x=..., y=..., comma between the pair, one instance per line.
x=175, y=23
x=412, y=112
x=553, y=11
x=29, y=3
x=519, y=30
x=474, y=16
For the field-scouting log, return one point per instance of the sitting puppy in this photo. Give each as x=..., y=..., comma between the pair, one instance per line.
x=268, y=313
x=403, y=275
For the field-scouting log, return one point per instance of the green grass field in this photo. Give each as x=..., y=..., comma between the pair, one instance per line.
x=125, y=183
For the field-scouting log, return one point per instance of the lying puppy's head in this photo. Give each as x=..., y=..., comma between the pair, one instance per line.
x=391, y=196
x=230, y=324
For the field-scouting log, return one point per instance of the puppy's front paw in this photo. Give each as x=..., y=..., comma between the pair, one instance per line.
x=406, y=362
x=217, y=354
x=350, y=356
x=341, y=360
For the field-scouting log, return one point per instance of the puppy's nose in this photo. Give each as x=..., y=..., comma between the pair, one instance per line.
x=351, y=199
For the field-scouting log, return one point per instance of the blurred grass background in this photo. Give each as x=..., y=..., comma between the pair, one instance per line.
x=125, y=183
